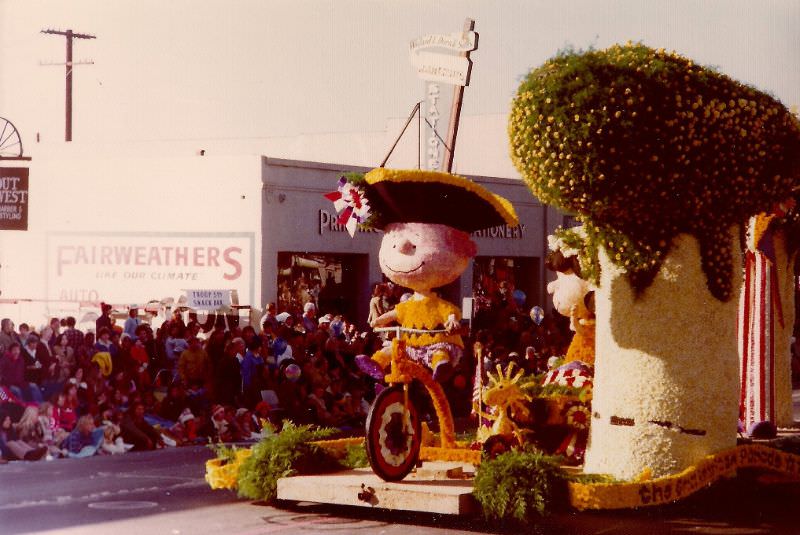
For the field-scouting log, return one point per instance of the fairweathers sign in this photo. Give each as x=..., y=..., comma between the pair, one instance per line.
x=135, y=268
x=13, y=198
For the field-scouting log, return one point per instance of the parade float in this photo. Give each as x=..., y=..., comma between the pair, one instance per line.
x=664, y=162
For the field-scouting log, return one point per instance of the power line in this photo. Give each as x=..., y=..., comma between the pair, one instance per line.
x=69, y=35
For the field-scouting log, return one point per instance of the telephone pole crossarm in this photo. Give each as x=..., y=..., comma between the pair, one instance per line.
x=69, y=35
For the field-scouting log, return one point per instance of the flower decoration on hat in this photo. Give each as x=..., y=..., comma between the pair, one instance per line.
x=350, y=203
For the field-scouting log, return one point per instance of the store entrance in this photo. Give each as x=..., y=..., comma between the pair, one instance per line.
x=333, y=282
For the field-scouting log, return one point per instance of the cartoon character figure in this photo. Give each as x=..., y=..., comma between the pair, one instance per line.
x=427, y=218
x=424, y=256
x=572, y=297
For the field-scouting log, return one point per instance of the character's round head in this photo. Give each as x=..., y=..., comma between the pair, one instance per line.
x=572, y=295
x=422, y=256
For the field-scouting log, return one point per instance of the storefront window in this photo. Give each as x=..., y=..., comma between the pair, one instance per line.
x=330, y=281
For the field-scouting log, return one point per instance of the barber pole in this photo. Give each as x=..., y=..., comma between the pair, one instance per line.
x=759, y=305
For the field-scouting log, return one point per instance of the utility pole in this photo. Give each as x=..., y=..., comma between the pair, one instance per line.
x=70, y=35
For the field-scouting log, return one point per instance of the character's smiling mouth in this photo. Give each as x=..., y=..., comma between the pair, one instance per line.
x=409, y=271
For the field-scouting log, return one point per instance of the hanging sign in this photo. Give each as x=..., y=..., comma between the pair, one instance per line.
x=208, y=299
x=13, y=198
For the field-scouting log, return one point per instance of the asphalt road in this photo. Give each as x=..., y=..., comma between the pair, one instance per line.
x=164, y=492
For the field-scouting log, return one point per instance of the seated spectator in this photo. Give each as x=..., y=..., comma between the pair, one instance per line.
x=30, y=429
x=318, y=407
x=112, y=439
x=222, y=428
x=85, y=440
x=12, y=375
x=135, y=430
x=12, y=448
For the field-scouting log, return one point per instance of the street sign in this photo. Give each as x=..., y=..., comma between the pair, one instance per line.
x=456, y=42
x=443, y=68
x=13, y=198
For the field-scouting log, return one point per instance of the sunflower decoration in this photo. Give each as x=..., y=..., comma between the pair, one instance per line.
x=506, y=399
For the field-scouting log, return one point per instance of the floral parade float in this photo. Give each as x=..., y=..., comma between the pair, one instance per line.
x=664, y=162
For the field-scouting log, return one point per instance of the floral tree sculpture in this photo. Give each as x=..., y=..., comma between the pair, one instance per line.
x=663, y=161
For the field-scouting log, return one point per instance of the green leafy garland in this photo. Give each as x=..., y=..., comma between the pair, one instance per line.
x=644, y=145
x=520, y=485
x=284, y=454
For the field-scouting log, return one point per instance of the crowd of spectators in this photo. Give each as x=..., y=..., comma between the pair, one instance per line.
x=66, y=393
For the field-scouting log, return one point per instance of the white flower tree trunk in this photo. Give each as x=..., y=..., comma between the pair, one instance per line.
x=783, y=335
x=666, y=386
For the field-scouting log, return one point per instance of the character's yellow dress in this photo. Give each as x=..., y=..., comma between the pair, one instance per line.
x=582, y=346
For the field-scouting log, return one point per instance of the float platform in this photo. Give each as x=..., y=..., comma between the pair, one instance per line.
x=436, y=487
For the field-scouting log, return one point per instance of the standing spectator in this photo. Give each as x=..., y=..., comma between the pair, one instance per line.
x=105, y=318
x=194, y=365
x=85, y=439
x=7, y=335
x=175, y=344
x=86, y=350
x=55, y=326
x=12, y=375
x=48, y=338
x=252, y=373
x=376, y=303
x=309, y=317
x=74, y=336
x=24, y=331
x=144, y=335
x=270, y=316
x=105, y=344
x=229, y=374
x=131, y=323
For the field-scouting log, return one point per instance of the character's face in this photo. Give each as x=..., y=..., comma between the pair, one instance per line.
x=422, y=256
x=568, y=291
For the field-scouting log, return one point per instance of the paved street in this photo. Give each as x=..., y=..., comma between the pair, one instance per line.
x=164, y=492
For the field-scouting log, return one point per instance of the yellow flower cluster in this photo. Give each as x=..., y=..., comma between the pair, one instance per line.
x=645, y=144
x=223, y=475
x=648, y=492
x=337, y=448
x=459, y=455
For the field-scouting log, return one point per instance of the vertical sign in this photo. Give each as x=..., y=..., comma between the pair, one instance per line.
x=13, y=198
x=443, y=61
x=436, y=116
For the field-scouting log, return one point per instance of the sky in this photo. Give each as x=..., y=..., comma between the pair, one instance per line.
x=261, y=69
